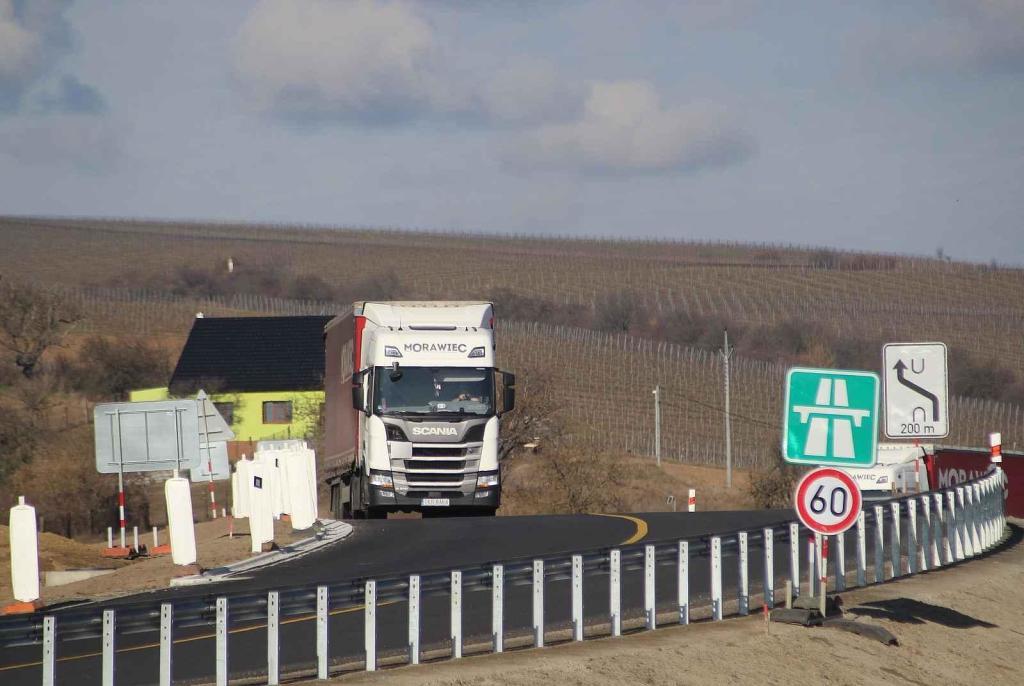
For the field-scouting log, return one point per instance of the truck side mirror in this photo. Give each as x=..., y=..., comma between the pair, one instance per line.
x=508, y=399
x=359, y=391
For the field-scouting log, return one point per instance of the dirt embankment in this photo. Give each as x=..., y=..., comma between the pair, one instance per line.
x=213, y=546
x=963, y=625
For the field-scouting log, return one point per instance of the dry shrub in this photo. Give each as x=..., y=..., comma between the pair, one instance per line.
x=564, y=480
x=109, y=369
x=773, y=487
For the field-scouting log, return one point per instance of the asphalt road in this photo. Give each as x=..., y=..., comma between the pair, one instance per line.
x=392, y=547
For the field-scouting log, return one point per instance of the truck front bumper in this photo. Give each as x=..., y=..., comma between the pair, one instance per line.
x=484, y=498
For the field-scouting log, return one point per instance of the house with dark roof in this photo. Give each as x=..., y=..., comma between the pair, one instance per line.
x=264, y=374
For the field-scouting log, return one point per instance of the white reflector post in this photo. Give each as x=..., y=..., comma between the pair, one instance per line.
x=716, y=577
x=180, y=529
x=24, y=552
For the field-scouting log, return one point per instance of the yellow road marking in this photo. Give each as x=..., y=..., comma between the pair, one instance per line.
x=641, y=527
x=201, y=637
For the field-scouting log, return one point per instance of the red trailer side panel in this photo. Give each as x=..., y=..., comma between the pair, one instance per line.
x=953, y=466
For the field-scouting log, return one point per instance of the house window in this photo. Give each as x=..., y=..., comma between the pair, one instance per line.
x=277, y=412
x=227, y=412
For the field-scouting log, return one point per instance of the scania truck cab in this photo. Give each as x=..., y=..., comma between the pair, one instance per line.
x=413, y=399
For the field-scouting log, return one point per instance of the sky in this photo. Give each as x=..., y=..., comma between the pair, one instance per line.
x=873, y=125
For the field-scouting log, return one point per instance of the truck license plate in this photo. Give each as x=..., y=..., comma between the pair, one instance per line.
x=435, y=502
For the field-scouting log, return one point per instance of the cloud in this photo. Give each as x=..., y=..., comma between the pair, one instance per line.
x=382, y=62
x=979, y=37
x=33, y=36
x=528, y=91
x=315, y=58
x=625, y=130
x=74, y=97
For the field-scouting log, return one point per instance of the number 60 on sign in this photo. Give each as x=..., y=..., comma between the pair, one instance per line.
x=827, y=500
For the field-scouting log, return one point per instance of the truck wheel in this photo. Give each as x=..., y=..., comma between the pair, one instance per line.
x=376, y=513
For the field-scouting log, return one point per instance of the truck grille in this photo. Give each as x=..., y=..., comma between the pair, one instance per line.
x=438, y=451
x=433, y=467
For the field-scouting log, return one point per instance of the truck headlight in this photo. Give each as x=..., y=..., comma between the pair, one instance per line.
x=487, y=480
x=882, y=480
x=381, y=480
x=478, y=351
x=395, y=433
x=391, y=351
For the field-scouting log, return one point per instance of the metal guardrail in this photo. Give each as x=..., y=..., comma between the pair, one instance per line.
x=941, y=528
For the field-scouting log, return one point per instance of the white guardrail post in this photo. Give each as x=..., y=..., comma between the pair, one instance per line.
x=961, y=523
x=925, y=536
x=369, y=626
x=768, y=538
x=683, y=581
x=456, y=614
x=716, y=577
x=970, y=517
x=650, y=613
x=222, y=642
x=879, y=544
x=813, y=560
x=614, y=593
x=498, y=608
x=953, y=528
x=743, y=577
x=840, y=562
x=941, y=529
x=912, y=551
x=538, y=603
x=166, y=643
x=273, y=644
x=977, y=519
x=895, y=554
x=862, y=549
x=414, y=619
x=108, y=644
x=323, y=626
x=794, y=558
x=577, y=597
x=49, y=654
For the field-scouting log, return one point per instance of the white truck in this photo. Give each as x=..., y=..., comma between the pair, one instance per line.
x=412, y=405
x=900, y=469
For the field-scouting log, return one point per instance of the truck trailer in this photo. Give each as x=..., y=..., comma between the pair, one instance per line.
x=412, y=401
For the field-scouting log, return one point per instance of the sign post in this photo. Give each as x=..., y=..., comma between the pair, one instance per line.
x=831, y=417
x=916, y=390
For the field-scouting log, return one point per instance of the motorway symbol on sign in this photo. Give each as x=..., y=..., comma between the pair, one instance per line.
x=916, y=390
x=827, y=501
x=831, y=417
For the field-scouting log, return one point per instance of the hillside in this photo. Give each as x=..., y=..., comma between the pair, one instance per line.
x=660, y=307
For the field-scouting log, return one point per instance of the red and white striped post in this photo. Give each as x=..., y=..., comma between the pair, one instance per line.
x=995, y=442
x=120, y=501
x=691, y=501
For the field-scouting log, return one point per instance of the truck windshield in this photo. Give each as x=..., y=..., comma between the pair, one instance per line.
x=434, y=391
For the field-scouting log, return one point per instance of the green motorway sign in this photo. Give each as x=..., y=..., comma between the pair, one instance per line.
x=831, y=417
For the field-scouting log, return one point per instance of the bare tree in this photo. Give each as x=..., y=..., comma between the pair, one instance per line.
x=32, y=320
x=534, y=420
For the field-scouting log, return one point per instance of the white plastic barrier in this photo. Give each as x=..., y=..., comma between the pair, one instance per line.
x=269, y=459
x=243, y=471
x=300, y=475
x=24, y=552
x=261, y=518
x=180, y=528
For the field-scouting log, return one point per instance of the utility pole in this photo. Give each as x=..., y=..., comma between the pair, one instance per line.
x=657, y=423
x=726, y=353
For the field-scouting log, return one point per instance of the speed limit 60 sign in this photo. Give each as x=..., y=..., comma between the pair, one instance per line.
x=827, y=500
